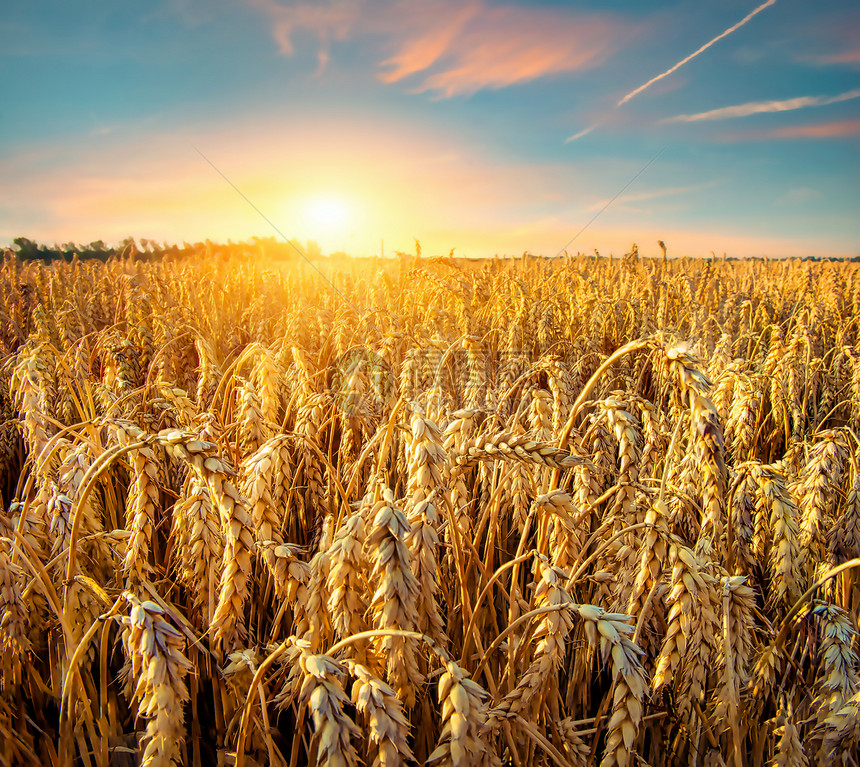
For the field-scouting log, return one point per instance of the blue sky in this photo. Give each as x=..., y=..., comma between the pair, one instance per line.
x=481, y=126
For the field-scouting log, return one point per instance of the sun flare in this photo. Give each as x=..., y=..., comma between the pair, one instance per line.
x=326, y=211
x=328, y=219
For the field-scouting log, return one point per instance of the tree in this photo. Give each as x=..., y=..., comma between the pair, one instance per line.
x=27, y=248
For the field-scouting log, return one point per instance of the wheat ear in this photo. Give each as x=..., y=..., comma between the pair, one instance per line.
x=154, y=649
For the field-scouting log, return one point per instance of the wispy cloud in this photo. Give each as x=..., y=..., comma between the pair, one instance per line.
x=454, y=47
x=695, y=53
x=760, y=107
x=624, y=202
x=327, y=21
x=831, y=129
x=831, y=38
x=497, y=46
x=428, y=41
x=843, y=57
x=799, y=195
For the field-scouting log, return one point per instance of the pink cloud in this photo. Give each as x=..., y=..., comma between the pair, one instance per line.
x=327, y=21
x=832, y=129
x=831, y=39
x=456, y=47
x=502, y=45
x=437, y=33
x=845, y=57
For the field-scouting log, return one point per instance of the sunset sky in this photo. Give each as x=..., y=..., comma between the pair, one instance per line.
x=487, y=127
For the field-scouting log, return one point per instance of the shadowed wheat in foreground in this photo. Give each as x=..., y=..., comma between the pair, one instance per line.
x=530, y=513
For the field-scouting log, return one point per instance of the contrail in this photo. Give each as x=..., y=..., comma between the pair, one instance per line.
x=582, y=133
x=693, y=55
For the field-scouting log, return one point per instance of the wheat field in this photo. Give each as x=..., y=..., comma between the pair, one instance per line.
x=586, y=511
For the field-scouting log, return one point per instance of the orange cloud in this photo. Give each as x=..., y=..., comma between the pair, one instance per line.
x=458, y=47
x=497, y=46
x=441, y=31
x=326, y=21
x=832, y=129
x=845, y=57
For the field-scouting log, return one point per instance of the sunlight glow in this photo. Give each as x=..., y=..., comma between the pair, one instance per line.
x=327, y=211
x=328, y=219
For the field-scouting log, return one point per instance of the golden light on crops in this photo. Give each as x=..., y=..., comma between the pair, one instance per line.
x=402, y=507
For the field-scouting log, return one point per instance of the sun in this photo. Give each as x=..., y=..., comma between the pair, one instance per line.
x=327, y=211
x=329, y=219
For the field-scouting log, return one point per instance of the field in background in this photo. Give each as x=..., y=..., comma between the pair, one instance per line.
x=507, y=512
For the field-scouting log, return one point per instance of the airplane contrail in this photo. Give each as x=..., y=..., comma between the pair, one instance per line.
x=582, y=133
x=673, y=69
x=705, y=47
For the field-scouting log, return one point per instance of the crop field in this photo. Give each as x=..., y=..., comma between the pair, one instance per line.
x=585, y=511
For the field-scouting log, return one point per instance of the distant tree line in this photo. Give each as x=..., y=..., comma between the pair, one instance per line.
x=271, y=247
x=29, y=250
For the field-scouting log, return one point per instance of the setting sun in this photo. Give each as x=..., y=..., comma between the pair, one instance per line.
x=328, y=211
x=329, y=219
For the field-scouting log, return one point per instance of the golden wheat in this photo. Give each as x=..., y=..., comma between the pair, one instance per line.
x=435, y=511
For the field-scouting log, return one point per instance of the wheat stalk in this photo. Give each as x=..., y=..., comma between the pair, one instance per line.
x=157, y=671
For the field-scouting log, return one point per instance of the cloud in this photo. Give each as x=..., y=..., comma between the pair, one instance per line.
x=422, y=50
x=760, y=107
x=623, y=202
x=494, y=47
x=327, y=21
x=695, y=53
x=455, y=47
x=825, y=59
x=799, y=195
x=830, y=38
x=832, y=129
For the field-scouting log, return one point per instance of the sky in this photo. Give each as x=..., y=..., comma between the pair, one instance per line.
x=475, y=126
